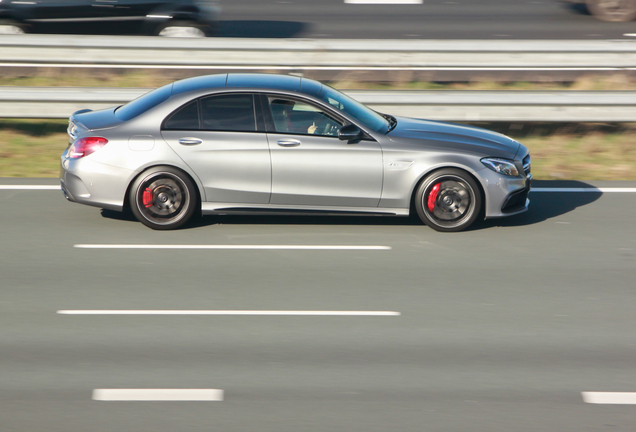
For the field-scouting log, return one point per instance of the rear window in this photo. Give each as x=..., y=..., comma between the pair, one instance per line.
x=185, y=118
x=228, y=113
x=143, y=103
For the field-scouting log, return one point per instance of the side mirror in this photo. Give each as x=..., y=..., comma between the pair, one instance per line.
x=349, y=133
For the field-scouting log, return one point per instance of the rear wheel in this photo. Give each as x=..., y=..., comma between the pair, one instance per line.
x=448, y=200
x=163, y=198
x=613, y=10
x=9, y=27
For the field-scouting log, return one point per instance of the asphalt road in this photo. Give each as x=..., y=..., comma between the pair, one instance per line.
x=500, y=328
x=434, y=19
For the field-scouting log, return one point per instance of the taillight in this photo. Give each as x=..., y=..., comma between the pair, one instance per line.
x=85, y=146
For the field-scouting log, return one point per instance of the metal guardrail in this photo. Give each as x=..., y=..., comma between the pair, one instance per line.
x=521, y=106
x=316, y=54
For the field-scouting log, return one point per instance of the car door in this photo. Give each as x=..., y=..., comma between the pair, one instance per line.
x=218, y=137
x=141, y=8
x=311, y=166
x=60, y=11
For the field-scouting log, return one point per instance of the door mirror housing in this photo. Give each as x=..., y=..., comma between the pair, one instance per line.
x=350, y=132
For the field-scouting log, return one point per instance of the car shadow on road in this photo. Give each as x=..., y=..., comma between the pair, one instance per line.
x=543, y=206
x=261, y=29
x=546, y=205
x=303, y=220
x=274, y=219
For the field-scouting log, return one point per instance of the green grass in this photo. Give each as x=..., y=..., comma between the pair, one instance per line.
x=32, y=148
x=55, y=77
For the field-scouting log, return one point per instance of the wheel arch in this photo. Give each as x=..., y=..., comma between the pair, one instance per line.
x=186, y=13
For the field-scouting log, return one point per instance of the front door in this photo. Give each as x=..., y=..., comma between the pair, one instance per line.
x=311, y=166
x=218, y=138
x=59, y=11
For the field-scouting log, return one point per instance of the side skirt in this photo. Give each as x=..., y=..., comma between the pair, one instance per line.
x=208, y=208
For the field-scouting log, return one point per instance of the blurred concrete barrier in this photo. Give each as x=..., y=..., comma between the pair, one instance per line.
x=513, y=106
x=324, y=58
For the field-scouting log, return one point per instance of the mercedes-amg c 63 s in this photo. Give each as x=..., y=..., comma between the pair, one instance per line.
x=254, y=143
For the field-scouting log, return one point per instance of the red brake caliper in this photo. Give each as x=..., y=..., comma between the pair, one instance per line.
x=148, y=198
x=432, y=197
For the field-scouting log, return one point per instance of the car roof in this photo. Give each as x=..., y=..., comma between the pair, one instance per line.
x=249, y=81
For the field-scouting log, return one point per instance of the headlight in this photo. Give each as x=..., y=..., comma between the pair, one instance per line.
x=501, y=166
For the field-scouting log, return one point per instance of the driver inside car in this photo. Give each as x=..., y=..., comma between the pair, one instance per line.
x=297, y=117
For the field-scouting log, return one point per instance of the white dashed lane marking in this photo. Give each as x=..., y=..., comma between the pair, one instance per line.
x=231, y=247
x=230, y=312
x=610, y=398
x=200, y=395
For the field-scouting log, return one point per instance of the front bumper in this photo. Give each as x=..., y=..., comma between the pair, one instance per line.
x=518, y=201
x=505, y=196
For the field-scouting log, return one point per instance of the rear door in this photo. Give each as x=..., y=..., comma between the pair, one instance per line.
x=57, y=11
x=141, y=8
x=219, y=138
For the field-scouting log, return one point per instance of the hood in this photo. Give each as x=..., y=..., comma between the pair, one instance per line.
x=94, y=120
x=454, y=136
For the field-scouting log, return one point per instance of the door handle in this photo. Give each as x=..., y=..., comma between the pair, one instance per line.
x=288, y=143
x=190, y=141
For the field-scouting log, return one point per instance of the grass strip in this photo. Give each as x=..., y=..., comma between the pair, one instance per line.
x=572, y=151
x=65, y=77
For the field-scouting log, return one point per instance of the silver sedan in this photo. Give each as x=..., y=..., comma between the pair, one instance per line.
x=254, y=143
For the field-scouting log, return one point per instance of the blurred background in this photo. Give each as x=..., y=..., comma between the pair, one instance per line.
x=505, y=64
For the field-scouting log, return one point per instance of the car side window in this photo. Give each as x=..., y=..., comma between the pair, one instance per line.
x=234, y=112
x=296, y=117
x=185, y=118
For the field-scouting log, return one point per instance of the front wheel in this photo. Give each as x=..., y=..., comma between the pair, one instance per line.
x=163, y=198
x=182, y=29
x=613, y=10
x=448, y=200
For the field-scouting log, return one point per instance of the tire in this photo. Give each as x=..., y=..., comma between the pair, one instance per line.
x=182, y=29
x=448, y=200
x=163, y=198
x=613, y=10
x=10, y=27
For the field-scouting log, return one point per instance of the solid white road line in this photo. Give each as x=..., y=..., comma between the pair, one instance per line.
x=613, y=398
x=384, y=2
x=201, y=395
x=591, y=189
x=230, y=312
x=29, y=187
x=230, y=247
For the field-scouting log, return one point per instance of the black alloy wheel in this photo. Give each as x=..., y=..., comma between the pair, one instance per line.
x=448, y=200
x=163, y=198
x=613, y=10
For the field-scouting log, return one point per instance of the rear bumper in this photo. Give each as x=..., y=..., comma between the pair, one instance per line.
x=87, y=182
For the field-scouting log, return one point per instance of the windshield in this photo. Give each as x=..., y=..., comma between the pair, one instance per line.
x=143, y=103
x=355, y=109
